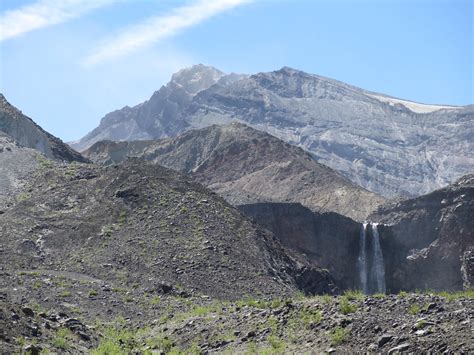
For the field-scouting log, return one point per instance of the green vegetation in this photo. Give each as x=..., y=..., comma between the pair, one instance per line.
x=402, y=294
x=122, y=217
x=155, y=300
x=456, y=295
x=346, y=307
x=278, y=345
x=93, y=293
x=65, y=294
x=107, y=230
x=309, y=317
x=414, y=309
x=326, y=298
x=339, y=335
x=263, y=304
x=43, y=162
x=420, y=324
x=23, y=196
x=128, y=298
x=62, y=339
x=352, y=295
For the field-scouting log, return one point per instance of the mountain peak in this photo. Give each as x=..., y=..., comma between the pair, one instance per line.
x=196, y=78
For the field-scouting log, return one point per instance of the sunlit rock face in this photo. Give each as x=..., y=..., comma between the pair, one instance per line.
x=387, y=145
x=25, y=132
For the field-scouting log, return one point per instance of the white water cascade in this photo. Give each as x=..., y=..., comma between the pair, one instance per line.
x=378, y=267
x=362, y=260
x=373, y=282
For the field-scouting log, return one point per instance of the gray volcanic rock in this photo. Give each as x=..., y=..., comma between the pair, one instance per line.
x=245, y=165
x=428, y=241
x=160, y=116
x=28, y=134
x=16, y=164
x=387, y=145
x=140, y=224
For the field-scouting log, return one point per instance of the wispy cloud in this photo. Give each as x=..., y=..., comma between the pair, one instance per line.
x=157, y=28
x=44, y=13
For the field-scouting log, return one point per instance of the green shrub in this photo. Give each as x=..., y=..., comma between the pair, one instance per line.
x=354, y=295
x=339, y=335
x=402, y=294
x=62, y=338
x=414, y=309
x=346, y=307
x=65, y=294
x=108, y=347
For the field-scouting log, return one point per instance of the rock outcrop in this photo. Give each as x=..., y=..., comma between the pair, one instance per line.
x=29, y=135
x=16, y=163
x=245, y=166
x=384, y=144
x=428, y=241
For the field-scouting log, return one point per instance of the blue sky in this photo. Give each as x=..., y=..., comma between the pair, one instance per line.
x=66, y=63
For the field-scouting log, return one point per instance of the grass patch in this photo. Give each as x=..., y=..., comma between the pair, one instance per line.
x=339, y=335
x=263, y=304
x=309, y=317
x=353, y=295
x=420, y=324
x=62, y=339
x=65, y=294
x=122, y=217
x=278, y=345
x=346, y=307
x=456, y=295
x=155, y=300
x=414, y=309
x=327, y=299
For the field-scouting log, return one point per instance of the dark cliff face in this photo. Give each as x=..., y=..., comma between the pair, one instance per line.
x=428, y=241
x=28, y=134
x=245, y=166
x=329, y=240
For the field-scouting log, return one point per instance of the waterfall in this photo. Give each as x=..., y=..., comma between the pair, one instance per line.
x=375, y=281
x=378, y=267
x=362, y=260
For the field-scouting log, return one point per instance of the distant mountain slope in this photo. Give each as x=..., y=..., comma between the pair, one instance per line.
x=245, y=165
x=160, y=116
x=387, y=145
x=430, y=239
x=28, y=134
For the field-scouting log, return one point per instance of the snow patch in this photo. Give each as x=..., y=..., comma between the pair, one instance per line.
x=414, y=106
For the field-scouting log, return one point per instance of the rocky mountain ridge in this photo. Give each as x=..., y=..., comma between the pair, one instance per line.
x=247, y=166
x=387, y=145
x=160, y=116
x=29, y=135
